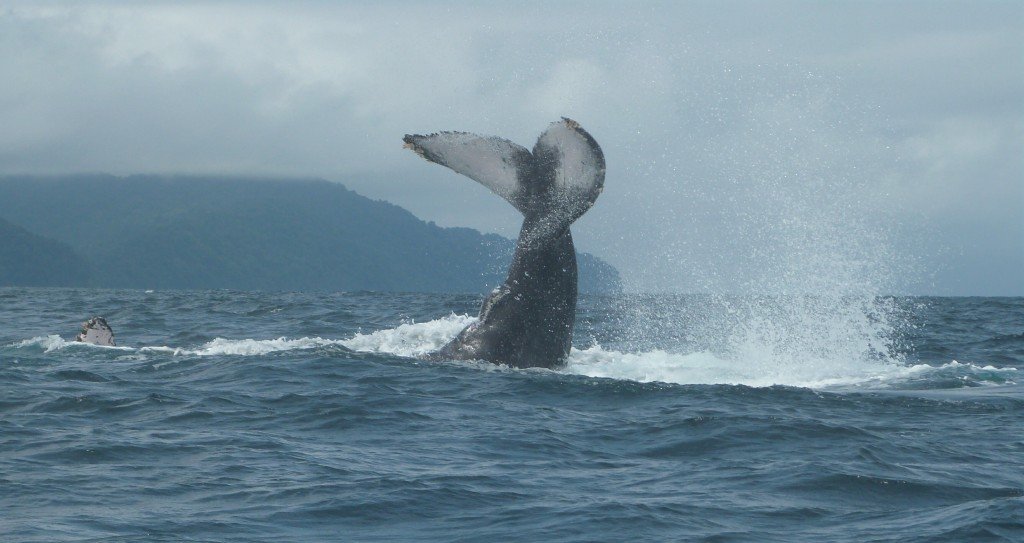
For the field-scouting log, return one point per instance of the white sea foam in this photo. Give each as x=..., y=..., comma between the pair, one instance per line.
x=255, y=347
x=708, y=368
x=217, y=346
x=53, y=342
x=411, y=339
x=773, y=366
x=760, y=360
x=48, y=343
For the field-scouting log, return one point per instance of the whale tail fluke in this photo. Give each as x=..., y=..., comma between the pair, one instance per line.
x=554, y=184
x=528, y=320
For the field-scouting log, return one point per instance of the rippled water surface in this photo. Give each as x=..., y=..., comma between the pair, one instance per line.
x=234, y=416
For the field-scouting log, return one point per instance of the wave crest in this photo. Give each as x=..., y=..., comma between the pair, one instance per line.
x=411, y=339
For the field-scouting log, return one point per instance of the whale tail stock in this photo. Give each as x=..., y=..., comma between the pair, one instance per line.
x=551, y=186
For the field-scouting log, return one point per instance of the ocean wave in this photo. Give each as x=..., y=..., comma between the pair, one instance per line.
x=411, y=339
x=705, y=368
x=749, y=368
x=217, y=346
x=53, y=342
x=256, y=347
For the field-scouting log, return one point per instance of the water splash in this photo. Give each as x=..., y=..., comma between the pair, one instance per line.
x=411, y=339
x=763, y=357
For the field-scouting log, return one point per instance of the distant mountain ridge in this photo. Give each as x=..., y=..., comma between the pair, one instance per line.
x=27, y=259
x=251, y=234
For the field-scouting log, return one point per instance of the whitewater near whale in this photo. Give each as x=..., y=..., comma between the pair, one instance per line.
x=528, y=320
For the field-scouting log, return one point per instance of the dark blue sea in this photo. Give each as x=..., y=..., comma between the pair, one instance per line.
x=249, y=417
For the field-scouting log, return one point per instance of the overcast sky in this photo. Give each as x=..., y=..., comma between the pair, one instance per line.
x=768, y=146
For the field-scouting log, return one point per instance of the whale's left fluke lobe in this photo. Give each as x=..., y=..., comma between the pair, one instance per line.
x=495, y=163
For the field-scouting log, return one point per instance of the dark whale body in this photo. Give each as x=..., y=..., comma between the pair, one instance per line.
x=528, y=320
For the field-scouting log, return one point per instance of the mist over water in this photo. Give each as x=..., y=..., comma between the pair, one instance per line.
x=790, y=247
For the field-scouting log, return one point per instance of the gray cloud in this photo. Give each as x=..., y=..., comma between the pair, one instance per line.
x=787, y=147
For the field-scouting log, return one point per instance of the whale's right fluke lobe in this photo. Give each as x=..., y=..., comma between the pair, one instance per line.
x=573, y=164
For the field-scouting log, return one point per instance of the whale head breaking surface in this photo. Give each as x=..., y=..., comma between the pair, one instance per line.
x=97, y=332
x=528, y=320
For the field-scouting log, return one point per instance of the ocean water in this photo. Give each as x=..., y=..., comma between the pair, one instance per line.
x=240, y=416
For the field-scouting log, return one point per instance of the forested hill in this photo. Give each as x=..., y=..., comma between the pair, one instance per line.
x=30, y=260
x=248, y=234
